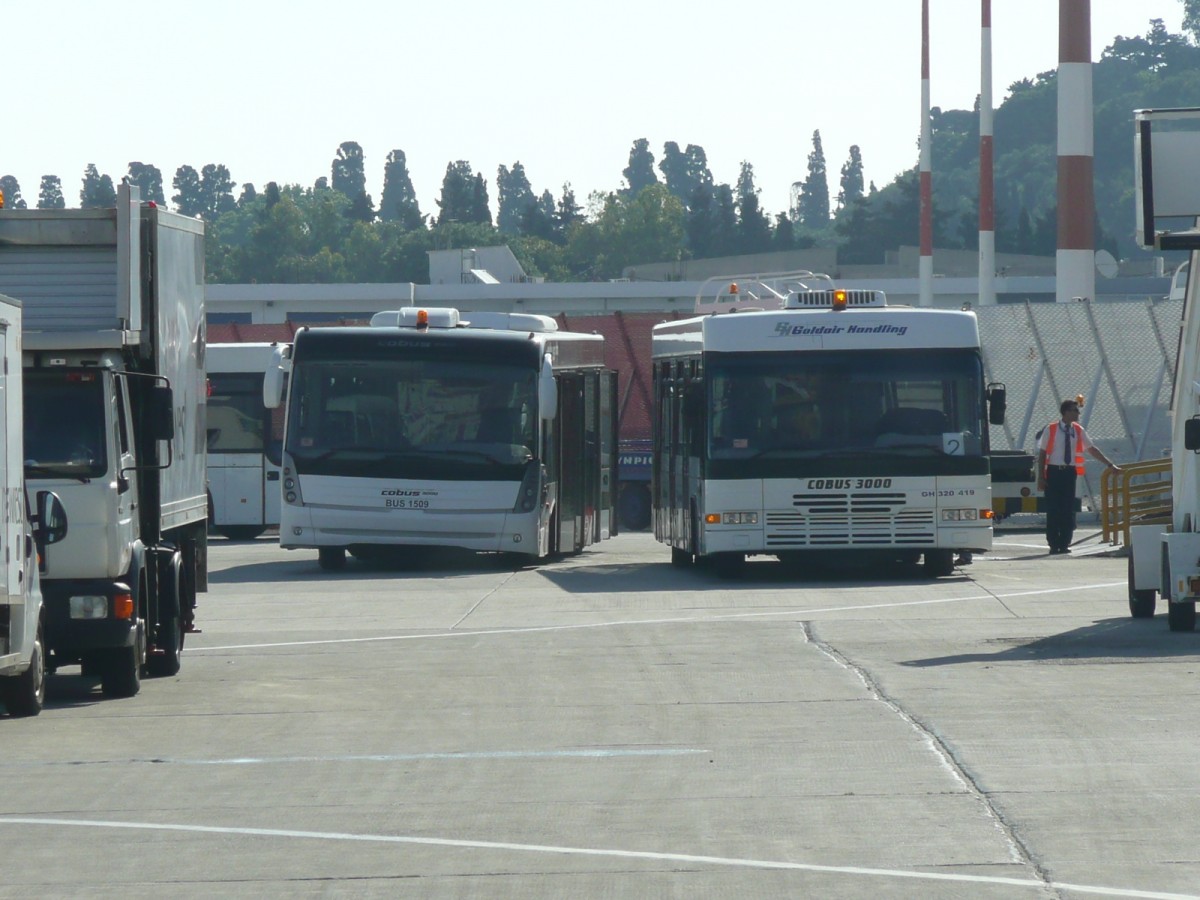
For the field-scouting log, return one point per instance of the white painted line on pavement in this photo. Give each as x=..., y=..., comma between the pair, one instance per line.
x=585, y=753
x=533, y=629
x=1032, y=884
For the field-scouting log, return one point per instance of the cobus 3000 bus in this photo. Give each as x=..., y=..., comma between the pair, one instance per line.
x=832, y=424
x=424, y=430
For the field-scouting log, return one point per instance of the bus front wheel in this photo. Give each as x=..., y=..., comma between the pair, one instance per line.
x=331, y=559
x=939, y=563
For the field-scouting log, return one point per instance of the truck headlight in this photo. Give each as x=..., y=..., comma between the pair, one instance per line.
x=89, y=606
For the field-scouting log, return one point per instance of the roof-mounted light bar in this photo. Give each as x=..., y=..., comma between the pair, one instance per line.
x=837, y=299
x=448, y=317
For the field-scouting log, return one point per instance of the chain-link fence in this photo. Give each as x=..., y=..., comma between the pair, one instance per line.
x=1120, y=356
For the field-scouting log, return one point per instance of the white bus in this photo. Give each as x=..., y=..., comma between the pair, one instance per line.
x=244, y=441
x=829, y=425
x=426, y=430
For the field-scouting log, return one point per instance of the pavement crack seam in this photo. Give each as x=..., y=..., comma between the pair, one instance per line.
x=478, y=603
x=1017, y=849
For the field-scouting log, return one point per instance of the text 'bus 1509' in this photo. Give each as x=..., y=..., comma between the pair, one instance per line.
x=829, y=426
x=426, y=430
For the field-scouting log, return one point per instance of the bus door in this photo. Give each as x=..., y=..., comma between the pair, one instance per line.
x=608, y=455
x=236, y=424
x=569, y=427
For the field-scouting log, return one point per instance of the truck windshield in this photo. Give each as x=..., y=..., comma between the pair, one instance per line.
x=902, y=403
x=412, y=418
x=64, y=424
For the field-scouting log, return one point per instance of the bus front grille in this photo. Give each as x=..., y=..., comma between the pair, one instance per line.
x=849, y=520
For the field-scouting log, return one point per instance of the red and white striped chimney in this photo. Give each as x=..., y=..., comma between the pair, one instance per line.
x=987, y=194
x=1075, y=260
x=925, y=264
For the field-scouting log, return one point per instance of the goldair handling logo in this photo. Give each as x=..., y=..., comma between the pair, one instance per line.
x=786, y=329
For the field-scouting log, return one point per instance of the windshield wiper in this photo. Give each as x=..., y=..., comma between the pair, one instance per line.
x=60, y=471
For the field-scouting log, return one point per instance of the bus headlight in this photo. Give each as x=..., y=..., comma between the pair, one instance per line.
x=732, y=518
x=960, y=515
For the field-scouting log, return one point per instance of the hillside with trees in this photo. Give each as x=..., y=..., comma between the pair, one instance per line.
x=670, y=207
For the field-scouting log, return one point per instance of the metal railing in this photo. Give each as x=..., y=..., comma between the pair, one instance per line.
x=1140, y=494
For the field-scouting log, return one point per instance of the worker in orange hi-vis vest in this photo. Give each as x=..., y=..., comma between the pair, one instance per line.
x=1061, y=446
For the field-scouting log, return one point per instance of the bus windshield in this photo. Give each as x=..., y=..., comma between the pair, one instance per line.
x=412, y=418
x=904, y=403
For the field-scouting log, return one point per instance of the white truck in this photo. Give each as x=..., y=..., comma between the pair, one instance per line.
x=1166, y=560
x=22, y=632
x=114, y=345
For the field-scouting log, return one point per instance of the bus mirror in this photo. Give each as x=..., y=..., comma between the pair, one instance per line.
x=997, y=396
x=1191, y=433
x=547, y=390
x=273, y=381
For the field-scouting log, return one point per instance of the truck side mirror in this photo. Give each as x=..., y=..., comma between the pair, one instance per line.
x=1191, y=433
x=51, y=525
x=997, y=397
x=547, y=390
x=161, y=411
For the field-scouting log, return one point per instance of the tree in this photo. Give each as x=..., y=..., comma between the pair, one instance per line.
x=398, y=202
x=640, y=171
x=627, y=230
x=566, y=214
x=464, y=196
x=216, y=191
x=148, y=180
x=50, y=195
x=1191, y=18
x=538, y=218
x=11, y=189
x=189, y=197
x=685, y=171
x=753, y=227
x=348, y=177
x=813, y=208
x=248, y=195
x=97, y=191
x=783, y=238
x=481, y=206
x=514, y=199
x=724, y=233
x=852, y=179
x=700, y=217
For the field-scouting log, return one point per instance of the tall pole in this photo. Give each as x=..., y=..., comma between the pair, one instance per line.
x=925, y=265
x=1075, y=261
x=987, y=195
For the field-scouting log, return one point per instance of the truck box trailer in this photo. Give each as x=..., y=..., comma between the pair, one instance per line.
x=114, y=346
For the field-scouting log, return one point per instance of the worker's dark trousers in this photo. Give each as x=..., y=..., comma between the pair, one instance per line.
x=1060, y=506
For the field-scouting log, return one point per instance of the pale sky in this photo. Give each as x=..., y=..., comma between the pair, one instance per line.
x=270, y=88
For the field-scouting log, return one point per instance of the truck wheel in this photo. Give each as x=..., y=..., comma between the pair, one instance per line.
x=122, y=675
x=24, y=694
x=938, y=563
x=1141, y=602
x=168, y=645
x=681, y=558
x=331, y=559
x=1181, y=616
